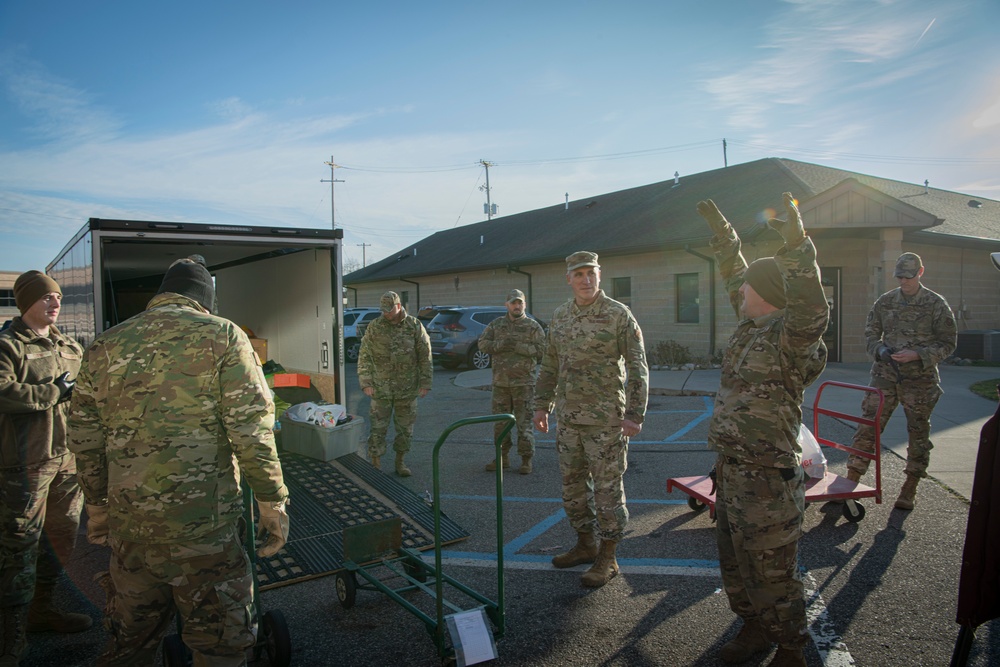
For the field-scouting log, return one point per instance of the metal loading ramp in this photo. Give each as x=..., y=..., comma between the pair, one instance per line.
x=327, y=497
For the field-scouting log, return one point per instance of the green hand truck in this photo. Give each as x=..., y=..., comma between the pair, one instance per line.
x=375, y=548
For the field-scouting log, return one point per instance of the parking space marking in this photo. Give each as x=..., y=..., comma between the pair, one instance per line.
x=831, y=648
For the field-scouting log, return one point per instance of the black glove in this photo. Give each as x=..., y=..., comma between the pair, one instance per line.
x=885, y=354
x=65, y=386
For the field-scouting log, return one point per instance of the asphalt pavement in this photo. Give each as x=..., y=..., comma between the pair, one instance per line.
x=882, y=591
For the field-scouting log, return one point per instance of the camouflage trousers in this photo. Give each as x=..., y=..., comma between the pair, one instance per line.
x=39, y=517
x=518, y=402
x=759, y=523
x=402, y=412
x=207, y=582
x=592, y=461
x=918, y=398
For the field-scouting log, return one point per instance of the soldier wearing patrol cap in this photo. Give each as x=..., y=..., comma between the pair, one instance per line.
x=515, y=343
x=394, y=368
x=909, y=331
x=594, y=375
x=776, y=351
x=171, y=410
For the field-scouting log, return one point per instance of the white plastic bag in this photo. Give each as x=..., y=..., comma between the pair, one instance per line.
x=327, y=415
x=812, y=456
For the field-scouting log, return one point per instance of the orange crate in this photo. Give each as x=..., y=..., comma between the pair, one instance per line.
x=291, y=380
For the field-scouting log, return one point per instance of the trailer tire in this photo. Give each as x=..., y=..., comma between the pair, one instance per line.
x=347, y=589
x=277, y=640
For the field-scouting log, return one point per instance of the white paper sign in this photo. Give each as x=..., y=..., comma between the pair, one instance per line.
x=471, y=637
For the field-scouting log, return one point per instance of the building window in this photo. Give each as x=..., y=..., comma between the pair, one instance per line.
x=7, y=298
x=687, y=298
x=621, y=289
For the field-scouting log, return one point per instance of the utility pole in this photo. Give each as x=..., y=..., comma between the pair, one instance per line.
x=363, y=246
x=333, y=179
x=489, y=206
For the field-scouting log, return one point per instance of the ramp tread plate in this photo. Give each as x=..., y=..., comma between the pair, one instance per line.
x=325, y=498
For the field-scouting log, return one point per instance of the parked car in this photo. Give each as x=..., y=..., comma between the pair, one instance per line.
x=454, y=334
x=427, y=313
x=353, y=319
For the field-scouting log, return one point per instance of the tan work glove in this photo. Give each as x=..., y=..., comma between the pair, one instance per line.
x=716, y=221
x=791, y=230
x=97, y=524
x=274, y=524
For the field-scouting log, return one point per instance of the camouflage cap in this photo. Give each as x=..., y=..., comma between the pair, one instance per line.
x=581, y=258
x=388, y=301
x=908, y=265
x=765, y=278
x=995, y=258
x=515, y=295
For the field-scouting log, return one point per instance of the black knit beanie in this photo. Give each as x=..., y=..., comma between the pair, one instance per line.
x=189, y=277
x=765, y=278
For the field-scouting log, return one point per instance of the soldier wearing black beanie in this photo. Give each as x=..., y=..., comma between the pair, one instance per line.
x=189, y=277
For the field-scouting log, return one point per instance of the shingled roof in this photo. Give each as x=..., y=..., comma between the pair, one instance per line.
x=662, y=216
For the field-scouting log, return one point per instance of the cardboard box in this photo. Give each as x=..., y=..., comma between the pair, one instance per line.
x=322, y=443
x=260, y=347
x=291, y=380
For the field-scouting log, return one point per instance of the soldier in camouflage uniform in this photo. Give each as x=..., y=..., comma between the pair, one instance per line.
x=170, y=412
x=515, y=343
x=594, y=374
x=776, y=351
x=394, y=368
x=909, y=331
x=40, y=499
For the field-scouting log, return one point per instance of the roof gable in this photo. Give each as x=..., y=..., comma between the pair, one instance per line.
x=851, y=204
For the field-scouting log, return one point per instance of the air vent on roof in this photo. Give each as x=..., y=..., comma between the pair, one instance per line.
x=590, y=204
x=975, y=204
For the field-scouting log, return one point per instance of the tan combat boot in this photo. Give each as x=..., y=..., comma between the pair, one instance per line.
x=584, y=551
x=750, y=641
x=908, y=494
x=401, y=468
x=525, y=468
x=788, y=657
x=13, y=634
x=376, y=462
x=44, y=616
x=605, y=568
x=504, y=461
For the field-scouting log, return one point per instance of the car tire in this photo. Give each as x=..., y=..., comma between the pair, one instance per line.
x=352, y=348
x=450, y=365
x=479, y=359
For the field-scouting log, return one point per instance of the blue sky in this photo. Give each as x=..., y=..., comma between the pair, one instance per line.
x=227, y=111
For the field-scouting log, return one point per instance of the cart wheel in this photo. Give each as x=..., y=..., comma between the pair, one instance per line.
x=853, y=511
x=695, y=504
x=175, y=652
x=415, y=571
x=277, y=641
x=347, y=589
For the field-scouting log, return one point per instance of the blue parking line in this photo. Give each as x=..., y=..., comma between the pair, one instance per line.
x=531, y=499
x=694, y=422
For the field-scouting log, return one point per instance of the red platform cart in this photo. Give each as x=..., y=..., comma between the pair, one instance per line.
x=701, y=488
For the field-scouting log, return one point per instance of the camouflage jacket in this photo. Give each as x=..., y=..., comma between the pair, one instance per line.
x=516, y=346
x=923, y=323
x=32, y=420
x=395, y=359
x=170, y=409
x=594, y=368
x=769, y=361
